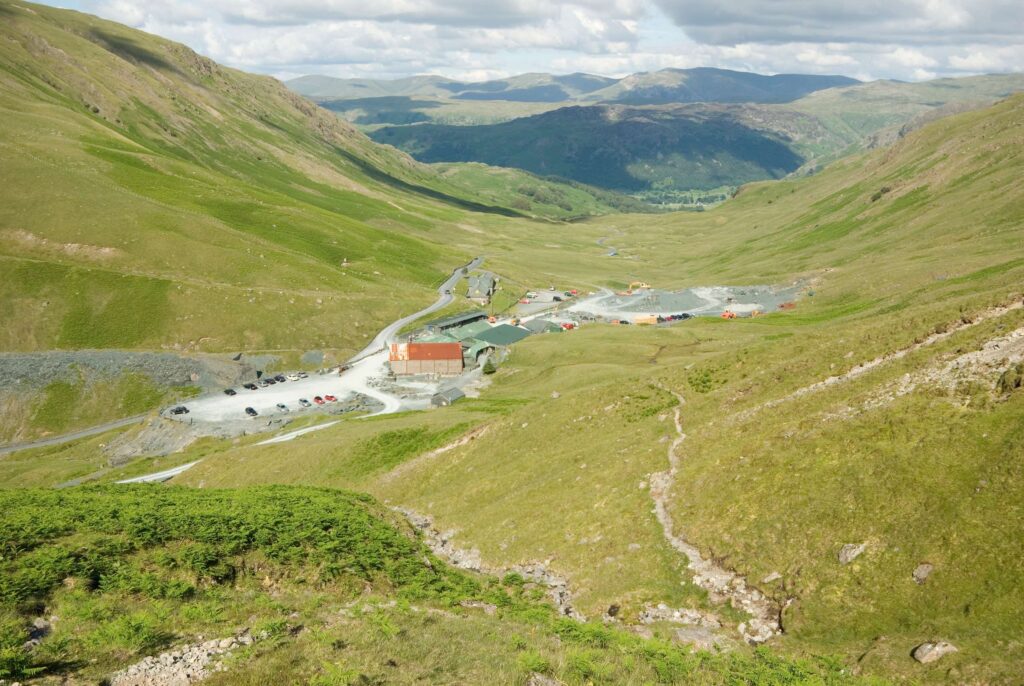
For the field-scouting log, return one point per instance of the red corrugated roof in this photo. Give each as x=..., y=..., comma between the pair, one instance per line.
x=435, y=351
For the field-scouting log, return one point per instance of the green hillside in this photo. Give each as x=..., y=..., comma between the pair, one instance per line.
x=154, y=200
x=849, y=471
x=178, y=177
x=624, y=149
x=307, y=585
x=907, y=249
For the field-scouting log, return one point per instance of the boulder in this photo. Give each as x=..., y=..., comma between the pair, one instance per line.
x=849, y=552
x=1011, y=379
x=932, y=651
x=700, y=638
x=922, y=572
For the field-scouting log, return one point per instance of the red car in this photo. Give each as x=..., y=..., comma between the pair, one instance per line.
x=330, y=399
x=318, y=400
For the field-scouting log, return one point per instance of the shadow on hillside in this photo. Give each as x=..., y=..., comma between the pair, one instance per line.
x=383, y=177
x=386, y=109
x=129, y=50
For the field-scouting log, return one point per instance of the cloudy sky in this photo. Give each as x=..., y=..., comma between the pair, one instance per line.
x=478, y=39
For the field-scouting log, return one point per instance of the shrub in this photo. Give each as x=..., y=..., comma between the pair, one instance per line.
x=532, y=661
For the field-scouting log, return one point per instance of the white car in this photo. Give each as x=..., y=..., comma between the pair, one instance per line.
x=292, y=377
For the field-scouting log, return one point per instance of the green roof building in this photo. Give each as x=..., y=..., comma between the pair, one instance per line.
x=503, y=334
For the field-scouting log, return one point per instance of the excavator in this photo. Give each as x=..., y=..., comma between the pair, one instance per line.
x=634, y=286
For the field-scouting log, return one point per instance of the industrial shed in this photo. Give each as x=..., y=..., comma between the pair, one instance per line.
x=446, y=397
x=542, y=326
x=503, y=334
x=481, y=287
x=446, y=323
x=426, y=358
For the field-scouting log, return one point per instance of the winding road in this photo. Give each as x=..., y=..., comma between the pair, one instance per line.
x=73, y=436
x=445, y=297
x=361, y=367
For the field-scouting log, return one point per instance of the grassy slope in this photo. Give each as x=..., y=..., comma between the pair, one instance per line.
x=856, y=113
x=194, y=200
x=561, y=479
x=941, y=242
x=335, y=588
x=152, y=199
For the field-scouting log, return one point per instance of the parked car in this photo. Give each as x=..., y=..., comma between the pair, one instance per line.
x=250, y=386
x=280, y=378
x=180, y=409
x=330, y=399
x=282, y=407
x=230, y=391
x=251, y=412
x=318, y=400
x=262, y=383
x=292, y=377
x=270, y=381
x=305, y=403
x=303, y=375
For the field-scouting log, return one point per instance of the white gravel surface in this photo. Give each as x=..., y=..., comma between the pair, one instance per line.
x=157, y=477
x=292, y=435
x=220, y=407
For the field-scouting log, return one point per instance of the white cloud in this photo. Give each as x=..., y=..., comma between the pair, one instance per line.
x=865, y=21
x=824, y=58
x=908, y=57
x=906, y=39
x=976, y=61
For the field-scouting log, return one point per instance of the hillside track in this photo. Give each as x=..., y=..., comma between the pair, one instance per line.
x=722, y=585
x=865, y=367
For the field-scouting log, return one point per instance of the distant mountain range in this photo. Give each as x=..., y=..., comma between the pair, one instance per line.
x=640, y=144
x=622, y=147
x=658, y=87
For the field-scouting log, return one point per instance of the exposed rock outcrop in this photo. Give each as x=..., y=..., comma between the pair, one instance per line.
x=932, y=651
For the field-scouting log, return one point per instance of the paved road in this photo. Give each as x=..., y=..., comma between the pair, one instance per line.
x=73, y=436
x=445, y=296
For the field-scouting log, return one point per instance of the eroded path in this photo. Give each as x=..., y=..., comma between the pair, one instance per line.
x=441, y=544
x=877, y=362
x=721, y=584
